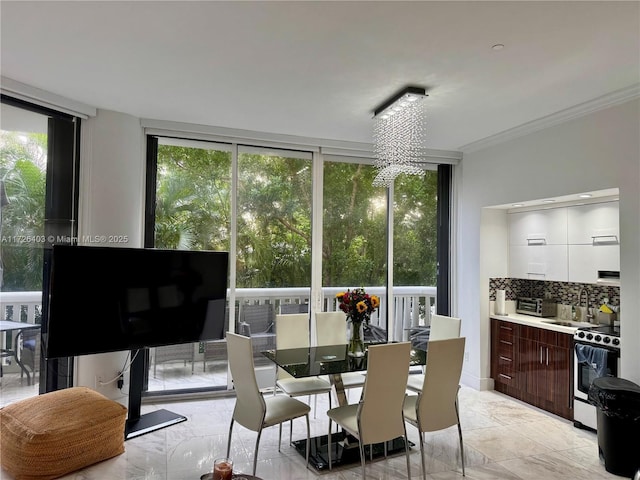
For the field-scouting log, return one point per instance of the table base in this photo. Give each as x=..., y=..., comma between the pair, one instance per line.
x=341, y=454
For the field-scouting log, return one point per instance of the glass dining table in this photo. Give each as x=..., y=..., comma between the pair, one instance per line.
x=333, y=361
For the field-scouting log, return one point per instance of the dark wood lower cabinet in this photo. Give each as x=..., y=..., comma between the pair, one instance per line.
x=540, y=370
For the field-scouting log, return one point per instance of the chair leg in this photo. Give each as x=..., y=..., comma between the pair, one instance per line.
x=229, y=439
x=362, y=458
x=329, y=444
x=308, y=439
x=279, y=436
x=255, y=455
x=460, y=436
x=290, y=432
x=424, y=469
x=406, y=450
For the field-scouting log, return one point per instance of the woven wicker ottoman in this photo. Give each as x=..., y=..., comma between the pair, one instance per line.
x=50, y=435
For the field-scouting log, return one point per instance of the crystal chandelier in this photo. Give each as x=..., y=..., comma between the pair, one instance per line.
x=398, y=135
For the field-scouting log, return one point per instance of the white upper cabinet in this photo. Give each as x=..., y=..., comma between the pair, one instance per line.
x=594, y=224
x=594, y=240
x=538, y=227
x=539, y=262
x=565, y=244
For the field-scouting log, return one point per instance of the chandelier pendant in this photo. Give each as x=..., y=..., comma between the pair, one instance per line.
x=398, y=135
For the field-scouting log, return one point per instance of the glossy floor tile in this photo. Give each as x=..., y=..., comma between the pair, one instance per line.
x=503, y=439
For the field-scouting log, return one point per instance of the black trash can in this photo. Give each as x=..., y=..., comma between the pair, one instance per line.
x=618, y=406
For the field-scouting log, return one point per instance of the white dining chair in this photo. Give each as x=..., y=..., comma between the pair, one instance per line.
x=252, y=410
x=436, y=406
x=331, y=329
x=442, y=327
x=292, y=331
x=378, y=417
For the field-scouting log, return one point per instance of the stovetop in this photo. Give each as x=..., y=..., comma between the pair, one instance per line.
x=605, y=335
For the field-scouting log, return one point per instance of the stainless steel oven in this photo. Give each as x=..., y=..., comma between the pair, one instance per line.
x=596, y=353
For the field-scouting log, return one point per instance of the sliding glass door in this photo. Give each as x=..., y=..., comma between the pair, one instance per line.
x=258, y=203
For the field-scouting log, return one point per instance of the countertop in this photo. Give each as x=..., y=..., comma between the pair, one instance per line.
x=542, y=322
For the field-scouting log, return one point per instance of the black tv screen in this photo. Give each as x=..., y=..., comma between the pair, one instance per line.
x=107, y=299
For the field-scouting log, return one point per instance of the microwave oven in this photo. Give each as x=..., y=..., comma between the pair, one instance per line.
x=538, y=307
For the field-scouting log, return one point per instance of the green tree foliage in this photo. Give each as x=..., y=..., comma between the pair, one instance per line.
x=354, y=224
x=23, y=161
x=415, y=229
x=274, y=206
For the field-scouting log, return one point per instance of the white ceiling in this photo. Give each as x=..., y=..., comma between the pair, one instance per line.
x=319, y=69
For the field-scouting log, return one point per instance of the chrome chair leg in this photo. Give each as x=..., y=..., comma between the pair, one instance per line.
x=255, y=455
x=460, y=436
x=279, y=436
x=229, y=439
x=329, y=445
x=406, y=451
x=362, y=458
x=308, y=439
x=424, y=468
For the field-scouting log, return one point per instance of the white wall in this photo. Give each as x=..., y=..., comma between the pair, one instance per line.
x=111, y=203
x=600, y=150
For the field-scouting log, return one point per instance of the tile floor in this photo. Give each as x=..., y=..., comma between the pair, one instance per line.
x=503, y=438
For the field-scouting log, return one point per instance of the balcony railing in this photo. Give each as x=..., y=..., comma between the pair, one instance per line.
x=412, y=305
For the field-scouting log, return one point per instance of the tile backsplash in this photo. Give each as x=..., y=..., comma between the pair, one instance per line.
x=563, y=292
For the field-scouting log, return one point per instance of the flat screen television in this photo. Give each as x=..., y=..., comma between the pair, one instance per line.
x=107, y=299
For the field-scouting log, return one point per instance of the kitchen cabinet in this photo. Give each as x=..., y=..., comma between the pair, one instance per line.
x=593, y=236
x=544, y=368
x=538, y=245
x=595, y=223
x=539, y=262
x=533, y=365
x=538, y=227
x=586, y=260
x=503, y=366
x=565, y=244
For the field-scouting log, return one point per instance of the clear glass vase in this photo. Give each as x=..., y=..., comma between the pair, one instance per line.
x=356, y=339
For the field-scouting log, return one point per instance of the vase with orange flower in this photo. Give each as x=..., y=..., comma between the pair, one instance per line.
x=358, y=306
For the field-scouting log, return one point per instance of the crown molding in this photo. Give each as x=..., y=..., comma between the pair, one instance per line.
x=609, y=100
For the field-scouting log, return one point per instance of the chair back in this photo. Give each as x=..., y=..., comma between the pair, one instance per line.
x=437, y=402
x=250, y=406
x=380, y=411
x=292, y=331
x=256, y=319
x=443, y=327
x=331, y=328
x=288, y=308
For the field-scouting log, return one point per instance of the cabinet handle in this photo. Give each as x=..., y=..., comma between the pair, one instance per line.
x=547, y=356
x=505, y=376
x=505, y=358
x=536, y=241
x=604, y=239
x=506, y=328
x=540, y=355
x=506, y=343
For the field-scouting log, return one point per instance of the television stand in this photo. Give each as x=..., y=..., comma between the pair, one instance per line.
x=150, y=422
x=138, y=424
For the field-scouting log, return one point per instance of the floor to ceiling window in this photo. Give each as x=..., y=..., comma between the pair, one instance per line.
x=38, y=207
x=258, y=203
x=415, y=227
x=192, y=212
x=354, y=244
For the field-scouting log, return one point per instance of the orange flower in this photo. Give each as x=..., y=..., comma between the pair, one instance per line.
x=375, y=301
x=362, y=307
